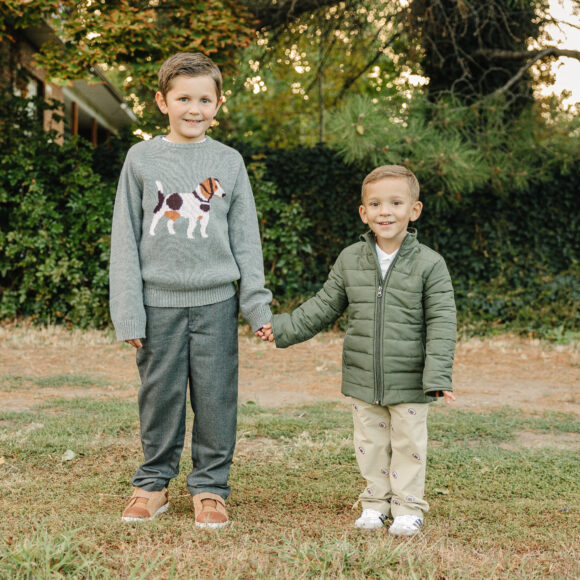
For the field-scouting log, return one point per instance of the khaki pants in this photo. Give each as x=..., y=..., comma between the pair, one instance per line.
x=391, y=450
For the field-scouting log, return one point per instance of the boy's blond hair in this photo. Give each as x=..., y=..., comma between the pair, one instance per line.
x=397, y=171
x=188, y=64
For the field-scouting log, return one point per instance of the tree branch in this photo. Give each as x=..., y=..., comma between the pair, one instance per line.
x=271, y=15
x=524, y=54
x=533, y=56
x=539, y=56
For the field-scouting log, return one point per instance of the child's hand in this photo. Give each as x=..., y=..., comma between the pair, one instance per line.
x=136, y=342
x=265, y=333
x=449, y=397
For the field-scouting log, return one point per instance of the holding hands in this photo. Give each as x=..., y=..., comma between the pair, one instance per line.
x=266, y=333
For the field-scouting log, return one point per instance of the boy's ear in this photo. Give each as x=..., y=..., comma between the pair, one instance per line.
x=160, y=100
x=416, y=211
x=363, y=214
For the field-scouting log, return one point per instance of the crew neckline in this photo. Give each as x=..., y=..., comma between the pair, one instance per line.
x=163, y=139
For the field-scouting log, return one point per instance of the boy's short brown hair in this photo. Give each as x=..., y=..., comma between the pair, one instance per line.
x=188, y=64
x=386, y=171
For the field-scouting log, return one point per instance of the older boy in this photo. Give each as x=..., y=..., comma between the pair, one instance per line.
x=185, y=231
x=398, y=347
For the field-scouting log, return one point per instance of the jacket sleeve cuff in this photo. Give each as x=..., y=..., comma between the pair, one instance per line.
x=279, y=324
x=437, y=391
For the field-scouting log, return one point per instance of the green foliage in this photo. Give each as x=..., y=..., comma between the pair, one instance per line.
x=456, y=149
x=291, y=77
x=109, y=156
x=283, y=224
x=329, y=192
x=546, y=306
x=512, y=254
x=54, y=223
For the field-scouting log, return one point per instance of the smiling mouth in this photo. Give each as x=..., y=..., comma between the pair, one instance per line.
x=385, y=223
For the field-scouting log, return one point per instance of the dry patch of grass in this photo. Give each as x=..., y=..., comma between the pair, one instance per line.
x=24, y=332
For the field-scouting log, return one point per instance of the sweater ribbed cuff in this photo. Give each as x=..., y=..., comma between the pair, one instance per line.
x=130, y=329
x=258, y=316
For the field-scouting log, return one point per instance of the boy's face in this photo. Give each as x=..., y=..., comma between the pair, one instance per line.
x=191, y=104
x=387, y=209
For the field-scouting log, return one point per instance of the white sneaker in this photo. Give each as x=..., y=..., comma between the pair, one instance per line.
x=406, y=525
x=370, y=520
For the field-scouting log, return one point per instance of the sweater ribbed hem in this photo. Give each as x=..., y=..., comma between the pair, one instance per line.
x=163, y=298
x=130, y=329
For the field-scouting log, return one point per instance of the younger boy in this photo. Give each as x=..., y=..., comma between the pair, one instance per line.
x=184, y=232
x=398, y=347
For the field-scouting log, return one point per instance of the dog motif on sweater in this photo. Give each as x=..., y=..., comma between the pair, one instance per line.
x=193, y=206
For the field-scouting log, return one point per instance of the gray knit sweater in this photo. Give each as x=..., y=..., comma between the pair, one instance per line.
x=184, y=230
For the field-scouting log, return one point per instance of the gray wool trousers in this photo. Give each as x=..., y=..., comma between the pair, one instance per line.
x=195, y=346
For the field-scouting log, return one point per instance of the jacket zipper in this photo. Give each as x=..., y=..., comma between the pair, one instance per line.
x=378, y=339
x=379, y=329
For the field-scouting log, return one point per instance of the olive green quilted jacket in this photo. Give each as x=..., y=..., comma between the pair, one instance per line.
x=400, y=339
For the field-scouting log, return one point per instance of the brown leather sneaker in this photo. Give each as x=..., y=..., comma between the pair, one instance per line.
x=145, y=505
x=210, y=510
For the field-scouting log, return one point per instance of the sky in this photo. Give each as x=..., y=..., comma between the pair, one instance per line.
x=567, y=69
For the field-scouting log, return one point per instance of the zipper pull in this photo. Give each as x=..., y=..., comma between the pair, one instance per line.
x=380, y=292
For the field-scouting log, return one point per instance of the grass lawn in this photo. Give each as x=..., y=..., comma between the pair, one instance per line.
x=498, y=510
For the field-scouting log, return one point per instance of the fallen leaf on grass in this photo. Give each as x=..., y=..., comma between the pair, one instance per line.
x=442, y=491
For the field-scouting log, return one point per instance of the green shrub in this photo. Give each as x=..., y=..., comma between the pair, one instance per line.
x=283, y=227
x=328, y=191
x=55, y=218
